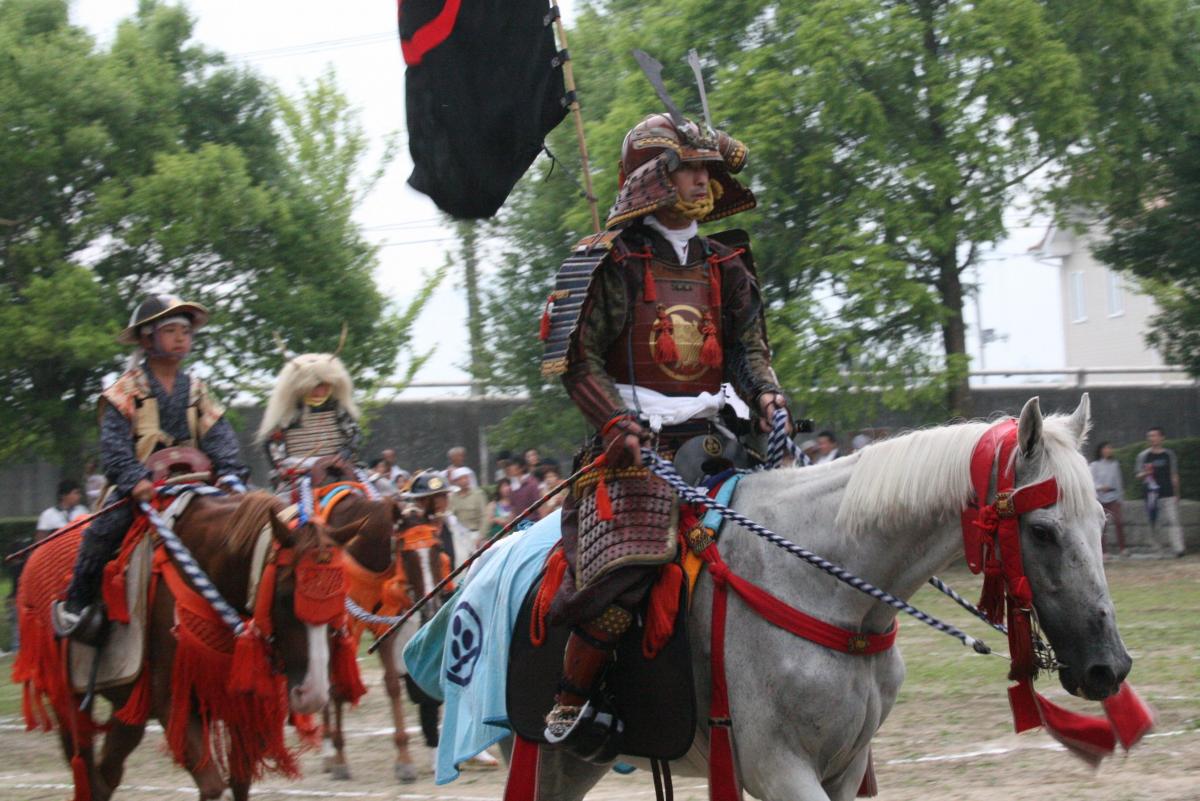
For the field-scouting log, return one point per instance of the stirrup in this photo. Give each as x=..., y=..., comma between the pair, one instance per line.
x=591, y=732
x=88, y=627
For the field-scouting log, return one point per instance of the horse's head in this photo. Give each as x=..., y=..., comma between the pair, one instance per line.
x=1060, y=545
x=425, y=563
x=309, y=594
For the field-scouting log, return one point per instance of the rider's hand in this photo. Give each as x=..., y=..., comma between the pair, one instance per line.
x=143, y=491
x=623, y=439
x=768, y=403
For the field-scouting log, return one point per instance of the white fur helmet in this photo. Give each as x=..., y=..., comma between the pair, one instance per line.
x=299, y=377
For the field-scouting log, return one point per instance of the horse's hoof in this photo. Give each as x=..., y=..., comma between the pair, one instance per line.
x=326, y=764
x=339, y=772
x=404, y=772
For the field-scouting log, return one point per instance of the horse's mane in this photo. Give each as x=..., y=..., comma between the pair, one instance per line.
x=924, y=478
x=248, y=520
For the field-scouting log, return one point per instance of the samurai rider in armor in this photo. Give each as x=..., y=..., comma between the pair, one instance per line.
x=667, y=317
x=311, y=414
x=153, y=405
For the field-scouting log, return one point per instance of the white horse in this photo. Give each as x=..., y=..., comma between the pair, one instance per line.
x=803, y=715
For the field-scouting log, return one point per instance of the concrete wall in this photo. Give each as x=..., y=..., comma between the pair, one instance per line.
x=422, y=431
x=1140, y=540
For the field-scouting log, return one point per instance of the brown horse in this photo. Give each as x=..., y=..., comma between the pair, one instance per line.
x=414, y=563
x=223, y=737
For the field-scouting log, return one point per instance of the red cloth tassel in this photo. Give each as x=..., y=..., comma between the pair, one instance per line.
x=869, y=787
x=307, y=729
x=1088, y=737
x=347, y=680
x=710, y=351
x=251, y=671
x=556, y=569
x=991, y=602
x=603, y=502
x=722, y=783
x=1020, y=644
x=665, y=349
x=522, y=784
x=662, y=610
x=714, y=285
x=83, y=782
x=136, y=710
x=1129, y=715
x=649, y=288
x=544, y=328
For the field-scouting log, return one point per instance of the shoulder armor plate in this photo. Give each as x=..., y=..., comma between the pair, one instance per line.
x=566, y=301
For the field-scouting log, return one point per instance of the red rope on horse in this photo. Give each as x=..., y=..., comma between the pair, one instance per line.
x=556, y=569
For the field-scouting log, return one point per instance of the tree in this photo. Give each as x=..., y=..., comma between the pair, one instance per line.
x=886, y=141
x=155, y=166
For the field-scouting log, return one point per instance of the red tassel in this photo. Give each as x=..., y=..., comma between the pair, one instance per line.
x=603, y=501
x=722, y=782
x=1020, y=644
x=662, y=610
x=665, y=350
x=710, y=351
x=714, y=285
x=307, y=729
x=136, y=710
x=1024, y=707
x=347, y=680
x=649, y=288
x=1129, y=715
x=991, y=602
x=251, y=672
x=1088, y=737
x=83, y=783
x=556, y=569
x=544, y=328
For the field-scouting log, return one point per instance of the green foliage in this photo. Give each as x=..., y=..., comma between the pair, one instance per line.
x=14, y=530
x=1187, y=452
x=886, y=141
x=153, y=166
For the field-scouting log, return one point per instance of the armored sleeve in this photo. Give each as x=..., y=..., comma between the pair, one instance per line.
x=221, y=445
x=747, y=355
x=351, y=435
x=601, y=321
x=120, y=463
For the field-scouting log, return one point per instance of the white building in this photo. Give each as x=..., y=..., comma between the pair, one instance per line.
x=1104, y=317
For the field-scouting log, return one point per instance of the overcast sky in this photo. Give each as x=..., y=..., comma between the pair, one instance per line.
x=293, y=42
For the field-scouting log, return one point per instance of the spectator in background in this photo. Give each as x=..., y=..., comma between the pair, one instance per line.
x=1158, y=468
x=457, y=456
x=550, y=480
x=94, y=482
x=469, y=504
x=860, y=441
x=69, y=507
x=533, y=460
x=1106, y=475
x=502, y=460
x=525, y=488
x=380, y=477
x=499, y=511
x=827, y=448
x=394, y=472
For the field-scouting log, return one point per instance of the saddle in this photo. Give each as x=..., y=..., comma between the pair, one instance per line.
x=654, y=698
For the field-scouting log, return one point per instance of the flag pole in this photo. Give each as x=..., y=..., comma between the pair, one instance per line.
x=569, y=82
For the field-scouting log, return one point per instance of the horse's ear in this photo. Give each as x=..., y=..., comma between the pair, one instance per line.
x=344, y=534
x=1029, y=428
x=1081, y=420
x=279, y=530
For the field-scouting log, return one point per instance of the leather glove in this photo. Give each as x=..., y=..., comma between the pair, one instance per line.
x=623, y=438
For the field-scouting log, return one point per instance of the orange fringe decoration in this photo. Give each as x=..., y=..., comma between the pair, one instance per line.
x=604, y=508
x=665, y=349
x=556, y=569
x=662, y=610
x=649, y=288
x=710, y=351
x=544, y=326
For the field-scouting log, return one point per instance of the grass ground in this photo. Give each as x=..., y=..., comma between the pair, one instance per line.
x=949, y=735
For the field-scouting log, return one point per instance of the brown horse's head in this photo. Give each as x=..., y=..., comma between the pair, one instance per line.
x=425, y=562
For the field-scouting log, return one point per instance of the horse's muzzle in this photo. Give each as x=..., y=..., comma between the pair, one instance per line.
x=1098, y=680
x=306, y=700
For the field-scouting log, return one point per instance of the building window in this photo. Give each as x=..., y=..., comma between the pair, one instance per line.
x=1076, y=296
x=1116, y=294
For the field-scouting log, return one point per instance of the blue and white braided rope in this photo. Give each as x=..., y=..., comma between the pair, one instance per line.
x=371, y=619
x=187, y=563
x=666, y=471
x=945, y=588
x=365, y=480
x=305, y=490
x=780, y=445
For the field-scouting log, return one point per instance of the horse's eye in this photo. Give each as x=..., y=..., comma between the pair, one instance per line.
x=1043, y=533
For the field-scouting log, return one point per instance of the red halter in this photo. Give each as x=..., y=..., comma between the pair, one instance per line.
x=992, y=543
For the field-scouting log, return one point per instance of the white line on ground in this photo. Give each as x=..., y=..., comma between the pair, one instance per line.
x=1000, y=751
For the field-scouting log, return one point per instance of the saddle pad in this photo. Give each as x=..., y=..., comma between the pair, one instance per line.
x=655, y=698
x=123, y=654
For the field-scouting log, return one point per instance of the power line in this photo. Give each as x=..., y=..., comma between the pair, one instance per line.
x=417, y=242
x=362, y=40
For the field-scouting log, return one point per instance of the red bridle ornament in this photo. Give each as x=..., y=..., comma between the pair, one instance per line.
x=992, y=544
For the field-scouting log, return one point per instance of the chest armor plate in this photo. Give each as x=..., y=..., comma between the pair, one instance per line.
x=316, y=436
x=683, y=296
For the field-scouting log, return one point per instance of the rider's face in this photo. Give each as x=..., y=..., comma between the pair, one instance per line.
x=173, y=341
x=692, y=181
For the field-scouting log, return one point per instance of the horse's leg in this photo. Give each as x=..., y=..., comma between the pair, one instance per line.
x=796, y=781
x=562, y=776
x=403, y=768
x=327, y=738
x=339, y=768
x=240, y=790
x=845, y=787
x=119, y=743
x=85, y=752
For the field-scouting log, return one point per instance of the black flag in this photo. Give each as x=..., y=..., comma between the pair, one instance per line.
x=484, y=87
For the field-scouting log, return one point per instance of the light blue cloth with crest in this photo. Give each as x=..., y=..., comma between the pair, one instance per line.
x=461, y=655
